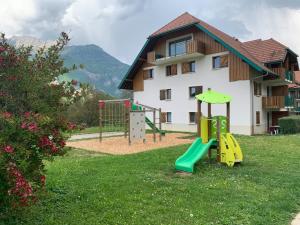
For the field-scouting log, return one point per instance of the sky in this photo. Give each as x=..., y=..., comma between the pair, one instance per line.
x=121, y=27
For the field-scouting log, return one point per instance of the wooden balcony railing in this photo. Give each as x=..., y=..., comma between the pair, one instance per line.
x=277, y=102
x=273, y=102
x=283, y=73
x=193, y=46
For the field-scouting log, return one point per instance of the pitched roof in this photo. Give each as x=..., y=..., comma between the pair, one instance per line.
x=266, y=50
x=187, y=19
x=181, y=21
x=240, y=49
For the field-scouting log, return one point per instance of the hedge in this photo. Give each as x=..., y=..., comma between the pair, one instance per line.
x=290, y=124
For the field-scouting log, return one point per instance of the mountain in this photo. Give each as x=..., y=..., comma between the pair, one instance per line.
x=100, y=69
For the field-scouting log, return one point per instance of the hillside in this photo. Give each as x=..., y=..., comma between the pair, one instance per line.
x=101, y=70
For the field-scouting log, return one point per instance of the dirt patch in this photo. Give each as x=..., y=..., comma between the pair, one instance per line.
x=296, y=221
x=119, y=145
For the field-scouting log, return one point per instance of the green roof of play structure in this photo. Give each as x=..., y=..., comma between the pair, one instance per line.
x=213, y=97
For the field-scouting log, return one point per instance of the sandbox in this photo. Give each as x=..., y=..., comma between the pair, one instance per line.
x=119, y=145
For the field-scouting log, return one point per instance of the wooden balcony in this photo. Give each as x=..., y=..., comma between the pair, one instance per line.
x=273, y=102
x=278, y=102
x=285, y=76
x=194, y=48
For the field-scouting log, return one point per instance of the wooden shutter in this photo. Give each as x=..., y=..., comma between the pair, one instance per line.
x=257, y=117
x=162, y=95
x=255, y=88
x=259, y=89
x=198, y=90
x=146, y=74
x=224, y=61
x=163, y=117
x=174, y=69
x=185, y=67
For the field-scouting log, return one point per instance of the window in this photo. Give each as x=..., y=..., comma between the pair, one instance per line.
x=220, y=61
x=178, y=47
x=257, y=88
x=169, y=117
x=171, y=70
x=257, y=117
x=148, y=74
x=165, y=94
x=195, y=90
x=192, y=116
x=188, y=67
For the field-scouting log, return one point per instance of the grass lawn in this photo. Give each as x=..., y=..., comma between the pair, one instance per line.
x=89, y=188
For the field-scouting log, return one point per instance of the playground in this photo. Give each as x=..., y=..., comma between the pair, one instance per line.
x=119, y=145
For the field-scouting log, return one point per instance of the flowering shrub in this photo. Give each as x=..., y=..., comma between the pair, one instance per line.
x=32, y=124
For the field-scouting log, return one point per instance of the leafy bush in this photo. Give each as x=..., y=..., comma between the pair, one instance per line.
x=86, y=111
x=290, y=124
x=31, y=120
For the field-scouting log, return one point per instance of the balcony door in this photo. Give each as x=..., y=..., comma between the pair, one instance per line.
x=179, y=47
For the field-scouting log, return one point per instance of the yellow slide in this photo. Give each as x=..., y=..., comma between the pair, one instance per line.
x=231, y=152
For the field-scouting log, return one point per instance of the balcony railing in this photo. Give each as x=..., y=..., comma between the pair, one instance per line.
x=192, y=48
x=273, y=102
x=278, y=102
x=284, y=74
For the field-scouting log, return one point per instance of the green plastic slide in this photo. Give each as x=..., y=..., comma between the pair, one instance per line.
x=150, y=124
x=194, y=153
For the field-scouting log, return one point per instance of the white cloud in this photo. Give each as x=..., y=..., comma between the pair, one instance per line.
x=122, y=26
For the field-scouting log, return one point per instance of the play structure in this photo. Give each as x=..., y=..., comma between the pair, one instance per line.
x=214, y=133
x=123, y=117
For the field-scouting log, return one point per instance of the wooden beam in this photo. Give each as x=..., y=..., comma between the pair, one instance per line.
x=199, y=117
x=228, y=116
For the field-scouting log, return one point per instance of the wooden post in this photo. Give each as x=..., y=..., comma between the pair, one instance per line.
x=228, y=116
x=199, y=117
x=154, y=130
x=159, y=111
x=100, y=124
x=209, y=127
x=128, y=125
x=218, y=139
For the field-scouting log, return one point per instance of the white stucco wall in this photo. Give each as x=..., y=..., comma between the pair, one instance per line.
x=180, y=105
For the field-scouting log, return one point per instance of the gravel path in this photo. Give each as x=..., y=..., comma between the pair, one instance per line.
x=95, y=135
x=119, y=145
x=296, y=221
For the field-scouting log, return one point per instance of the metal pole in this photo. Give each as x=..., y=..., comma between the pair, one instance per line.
x=209, y=127
x=154, y=130
x=159, y=111
x=218, y=138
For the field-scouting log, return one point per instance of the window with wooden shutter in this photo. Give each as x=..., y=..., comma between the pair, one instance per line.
x=174, y=69
x=224, y=61
x=163, y=117
x=195, y=90
x=162, y=94
x=148, y=74
x=257, y=117
x=257, y=89
x=185, y=68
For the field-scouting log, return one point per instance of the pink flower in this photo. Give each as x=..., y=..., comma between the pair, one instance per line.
x=71, y=126
x=8, y=149
x=23, y=125
x=2, y=49
x=43, y=180
x=62, y=143
x=32, y=127
x=27, y=114
x=74, y=82
x=7, y=115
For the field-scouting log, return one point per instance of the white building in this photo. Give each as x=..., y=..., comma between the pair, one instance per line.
x=188, y=56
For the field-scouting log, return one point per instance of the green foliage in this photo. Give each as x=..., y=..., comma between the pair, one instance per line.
x=86, y=111
x=290, y=124
x=31, y=120
x=144, y=188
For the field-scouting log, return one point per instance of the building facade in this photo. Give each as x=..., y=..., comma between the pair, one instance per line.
x=188, y=56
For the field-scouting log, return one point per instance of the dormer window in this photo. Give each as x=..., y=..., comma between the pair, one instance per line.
x=179, y=47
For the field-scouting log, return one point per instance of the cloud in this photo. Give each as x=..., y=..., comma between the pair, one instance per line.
x=121, y=26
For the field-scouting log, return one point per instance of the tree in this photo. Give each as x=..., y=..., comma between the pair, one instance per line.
x=32, y=121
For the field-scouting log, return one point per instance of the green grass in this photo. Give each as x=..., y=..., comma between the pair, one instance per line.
x=89, y=188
